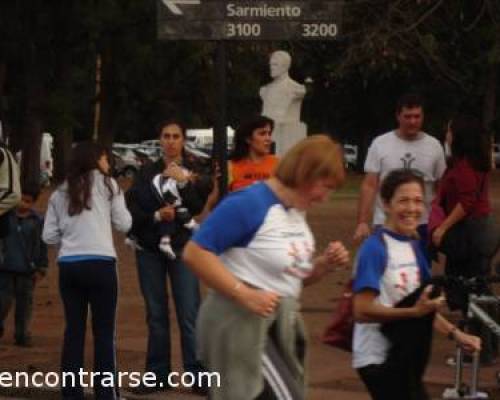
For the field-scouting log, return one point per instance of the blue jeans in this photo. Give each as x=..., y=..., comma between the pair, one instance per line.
x=153, y=269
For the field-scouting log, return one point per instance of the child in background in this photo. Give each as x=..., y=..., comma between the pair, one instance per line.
x=23, y=264
x=167, y=189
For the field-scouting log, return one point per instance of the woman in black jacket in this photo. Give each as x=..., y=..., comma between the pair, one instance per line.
x=153, y=216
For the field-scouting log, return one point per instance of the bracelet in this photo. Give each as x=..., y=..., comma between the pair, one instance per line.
x=451, y=333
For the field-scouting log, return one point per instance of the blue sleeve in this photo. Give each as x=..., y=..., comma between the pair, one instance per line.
x=372, y=259
x=422, y=261
x=233, y=223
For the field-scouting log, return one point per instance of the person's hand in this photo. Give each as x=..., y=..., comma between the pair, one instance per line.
x=361, y=233
x=336, y=254
x=176, y=172
x=469, y=343
x=260, y=302
x=425, y=304
x=437, y=235
x=167, y=213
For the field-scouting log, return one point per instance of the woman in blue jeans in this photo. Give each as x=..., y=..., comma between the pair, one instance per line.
x=79, y=219
x=150, y=213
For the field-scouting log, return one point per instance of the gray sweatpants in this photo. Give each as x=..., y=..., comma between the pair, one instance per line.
x=234, y=343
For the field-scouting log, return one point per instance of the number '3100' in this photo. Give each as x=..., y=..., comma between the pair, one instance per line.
x=242, y=29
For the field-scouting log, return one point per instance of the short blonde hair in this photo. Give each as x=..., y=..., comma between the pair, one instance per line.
x=315, y=157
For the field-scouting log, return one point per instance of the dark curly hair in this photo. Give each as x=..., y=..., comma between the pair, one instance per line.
x=244, y=132
x=395, y=179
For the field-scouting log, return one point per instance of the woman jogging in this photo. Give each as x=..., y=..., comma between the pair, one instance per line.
x=256, y=251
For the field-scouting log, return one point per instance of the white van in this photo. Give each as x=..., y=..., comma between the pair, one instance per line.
x=203, y=139
x=46, y=159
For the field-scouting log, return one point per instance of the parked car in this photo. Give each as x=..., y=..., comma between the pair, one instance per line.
x=128, y=159
x=151, y=143
x=197, y=152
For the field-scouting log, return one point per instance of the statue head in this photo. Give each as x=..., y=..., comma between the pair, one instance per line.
x=279, y=63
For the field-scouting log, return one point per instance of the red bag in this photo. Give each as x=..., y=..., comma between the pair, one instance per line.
x=339, y=331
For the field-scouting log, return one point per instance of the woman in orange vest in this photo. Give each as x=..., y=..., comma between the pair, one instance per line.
x=251, y=159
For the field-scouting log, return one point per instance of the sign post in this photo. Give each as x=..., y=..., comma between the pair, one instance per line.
x=222, y=20
x=249, y=19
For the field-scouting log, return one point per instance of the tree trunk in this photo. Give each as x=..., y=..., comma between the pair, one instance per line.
x=490, y=98
x=30, y=171
x=3, y=120
x=107, y=97
x=62, y=151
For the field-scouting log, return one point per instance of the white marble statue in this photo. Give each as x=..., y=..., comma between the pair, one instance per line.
x=282, y=101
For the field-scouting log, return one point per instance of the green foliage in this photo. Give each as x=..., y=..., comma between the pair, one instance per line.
x=440, y=48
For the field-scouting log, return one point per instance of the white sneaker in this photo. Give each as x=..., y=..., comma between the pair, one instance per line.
x=166, y=248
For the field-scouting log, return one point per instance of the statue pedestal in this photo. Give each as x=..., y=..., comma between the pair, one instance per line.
x=285, y=135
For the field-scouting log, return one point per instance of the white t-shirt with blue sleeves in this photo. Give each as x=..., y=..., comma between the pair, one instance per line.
x=394, y=266
x=259, y=240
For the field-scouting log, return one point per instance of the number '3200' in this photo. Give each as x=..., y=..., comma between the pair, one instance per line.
x=319, y=30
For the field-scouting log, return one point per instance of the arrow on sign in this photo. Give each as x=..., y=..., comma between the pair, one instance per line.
x=172, y=5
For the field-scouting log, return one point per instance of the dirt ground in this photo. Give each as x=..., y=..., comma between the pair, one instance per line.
x=330, y=376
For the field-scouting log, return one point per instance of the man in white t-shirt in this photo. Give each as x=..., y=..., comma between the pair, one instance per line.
x=405, y=147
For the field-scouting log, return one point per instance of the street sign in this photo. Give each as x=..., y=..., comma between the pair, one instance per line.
x=249, y=19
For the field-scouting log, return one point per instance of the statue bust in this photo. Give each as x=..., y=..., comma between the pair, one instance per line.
x=282, y=101
x=282, y=98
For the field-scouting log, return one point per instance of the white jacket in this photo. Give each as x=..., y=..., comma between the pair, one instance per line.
x=90, y=232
